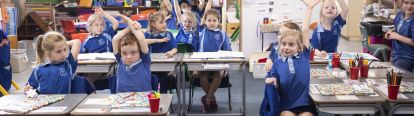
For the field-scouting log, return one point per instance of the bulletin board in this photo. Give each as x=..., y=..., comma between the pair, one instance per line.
x=281, y=10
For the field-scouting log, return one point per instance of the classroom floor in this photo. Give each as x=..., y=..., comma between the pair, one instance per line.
x=254, y=92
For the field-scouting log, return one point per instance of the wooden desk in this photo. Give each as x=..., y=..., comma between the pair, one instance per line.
x=401, y=105
x=199, y=65
x=346, y=104
x=95, y=66
x=70, y=102
x=99, y=110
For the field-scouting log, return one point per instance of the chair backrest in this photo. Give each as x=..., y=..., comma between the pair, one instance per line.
x=68, y=26
x=84, y=17
x=364, y=34
x=80, y=36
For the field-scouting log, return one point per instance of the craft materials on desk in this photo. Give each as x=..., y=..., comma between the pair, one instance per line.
x=29, y=104
x=349, y=87
x=161, y=57
x=350, y=55
x=326, y=73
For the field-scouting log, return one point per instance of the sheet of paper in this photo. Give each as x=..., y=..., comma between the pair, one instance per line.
x=96, y=56
x=89, y=110
x=136, y=109
x=51, y=109
x=216, y=55
x=216, y=66
x=346, y=97
x=101, y=101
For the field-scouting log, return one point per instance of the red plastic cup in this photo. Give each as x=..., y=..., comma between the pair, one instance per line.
x=335, y=62
x=154, y=104
x=393, y=91
x=354, y=73
x=364, y=70
x=312, y=55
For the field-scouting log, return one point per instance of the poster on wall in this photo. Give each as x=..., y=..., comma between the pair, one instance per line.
x=265, y=6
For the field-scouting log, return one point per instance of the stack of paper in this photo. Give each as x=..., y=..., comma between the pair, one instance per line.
x=217, y=55
x=96, y=56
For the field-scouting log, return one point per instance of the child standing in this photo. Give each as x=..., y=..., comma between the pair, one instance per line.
x=293, y=55
x=55, y=64
x=161, y=41
x=403, y=37
x=101, y=33
x=5, y=69
x=212, y=39
x=133, y=58
x=325, y=37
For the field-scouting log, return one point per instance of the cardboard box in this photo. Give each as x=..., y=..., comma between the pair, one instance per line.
x=231, y=27
x=18, y=60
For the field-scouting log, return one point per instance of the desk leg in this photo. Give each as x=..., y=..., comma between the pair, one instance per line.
x=393, y=109
x=262, y=37
x=178, y=75
x=184, y=105
x=244, y=90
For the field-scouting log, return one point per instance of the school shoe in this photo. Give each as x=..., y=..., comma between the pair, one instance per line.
x=214, y=106
x=206, y=104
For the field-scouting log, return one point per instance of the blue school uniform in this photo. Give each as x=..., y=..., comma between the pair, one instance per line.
x=213, y=41
x=100, y=43
x=187, y=37
x=135, y=77
x=403, y=54
x=293, y=75
x=327, y=40
x=273, y=56
x=54, y=78
x=5, y=68
x=161, y=47
x=172, y=21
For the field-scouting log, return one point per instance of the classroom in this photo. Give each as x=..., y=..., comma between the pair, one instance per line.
x=207, y=57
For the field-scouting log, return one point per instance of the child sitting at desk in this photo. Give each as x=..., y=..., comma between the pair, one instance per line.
x=5, y=68
x=188, y=33
x=161, y=41
x=56, y=66
x=212, y=39
x=132, y=55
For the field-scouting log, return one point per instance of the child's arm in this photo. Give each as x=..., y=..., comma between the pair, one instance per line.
x=344, y=7
x=177, y=11
x=396, y=36
x=140, y=37
x=200, y=4
x=117, y=38
x=153, y=41
x=75, y=49
x=171, y=53
x=268, y=64
x=100, y=11
x=306, y=22
x=208, y=7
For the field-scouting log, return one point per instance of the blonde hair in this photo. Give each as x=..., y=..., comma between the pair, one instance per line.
x=46, y=43
x=153, y=18
x=92, y=19
x=294, y=33
x=128, y=39
x=322, y=7
x=165, y=6
x=291, y=26
x=190, y=16
x=212, y=12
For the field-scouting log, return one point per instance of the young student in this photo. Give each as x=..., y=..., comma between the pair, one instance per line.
x=161, y=41
x=403, y=37
x=170, y=15
x=212, y=39
x=132, y=55
x=101, y=33
x=291, y=69
x=325, y=37
x=5, y=69
x=55, y=64
x=188, y=32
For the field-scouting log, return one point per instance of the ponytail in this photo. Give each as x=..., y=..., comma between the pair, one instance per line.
x=40, y=54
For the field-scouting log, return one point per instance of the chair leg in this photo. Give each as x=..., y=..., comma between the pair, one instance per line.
x=229, y=100
x=3, y=91
x=190, y=95
x=15, y=85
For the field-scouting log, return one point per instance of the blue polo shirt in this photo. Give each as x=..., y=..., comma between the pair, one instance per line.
x=213, y=41
x=327, y=40
x=187, y=37
x=293, y=80
x=54, y=78
x=100, y=43
x=5, y=69
x=161, y=47
x=135, y=77
x=404, y=28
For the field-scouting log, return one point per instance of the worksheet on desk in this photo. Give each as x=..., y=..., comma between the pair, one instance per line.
x=96, y=56
x=217, y=55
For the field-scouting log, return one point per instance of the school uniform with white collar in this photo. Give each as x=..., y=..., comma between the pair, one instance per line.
x=99, y=43
x=328, y=39
x=403, y=54
x=213, y=41
x=164, y=47
x=135, y=77
x=189, y=37
x=293, y=75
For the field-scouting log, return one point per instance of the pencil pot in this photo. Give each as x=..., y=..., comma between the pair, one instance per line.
x=312, y=55
x=354, y=73
x=364, y=70
x=154, y=104
x=335, y=62
x=393, y=91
